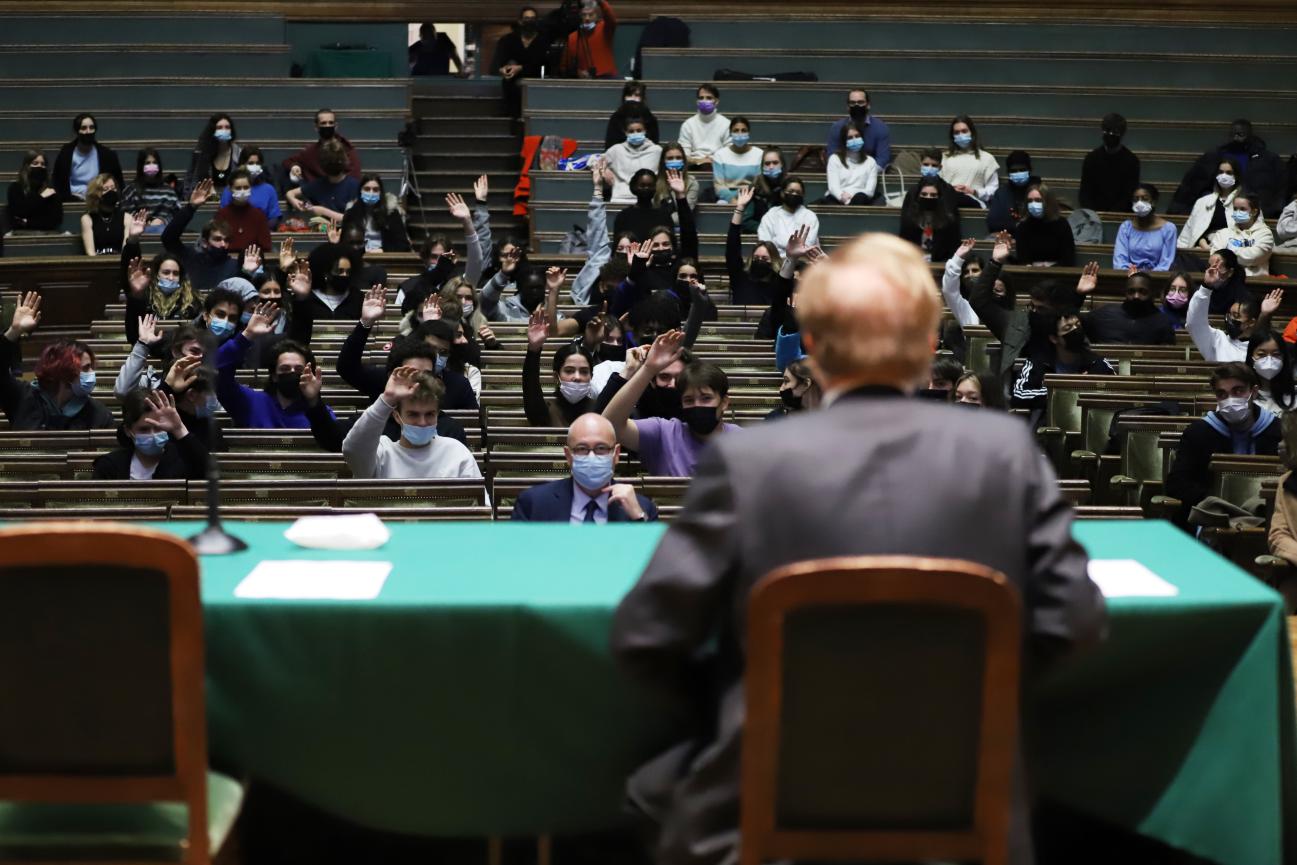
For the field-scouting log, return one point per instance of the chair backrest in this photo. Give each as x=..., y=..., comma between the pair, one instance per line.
x=882, y=711
x=101, y=667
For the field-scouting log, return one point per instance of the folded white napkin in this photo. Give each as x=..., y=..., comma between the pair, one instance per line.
x=341, y=532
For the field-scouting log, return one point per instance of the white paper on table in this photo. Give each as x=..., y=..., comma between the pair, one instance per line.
x=340, y=532
x=1122, y=578
x=301, y=579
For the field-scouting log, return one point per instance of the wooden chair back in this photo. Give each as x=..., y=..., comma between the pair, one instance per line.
x=882, y=712
x=101, y=665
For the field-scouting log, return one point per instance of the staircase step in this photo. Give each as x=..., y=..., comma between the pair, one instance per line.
x=485, y=163
x=484, y=125
x=457, y=106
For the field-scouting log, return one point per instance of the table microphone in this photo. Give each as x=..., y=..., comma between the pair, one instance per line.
x=214, y=540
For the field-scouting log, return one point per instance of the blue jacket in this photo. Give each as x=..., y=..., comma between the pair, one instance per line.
x=264, y=197
x=788, y=348
x=878, y=140
x=552, y=503
x=250, y=408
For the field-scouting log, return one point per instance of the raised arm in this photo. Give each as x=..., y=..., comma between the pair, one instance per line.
x=657, y=357
x=27, y=315
x=173, y=234
x=950, y=284
x=596, y=238
x=688, y=228
x=1195, y=321
x=459, y=211
x=734, y=237
x=482, y=217
x=533, y=396
x=982, y=296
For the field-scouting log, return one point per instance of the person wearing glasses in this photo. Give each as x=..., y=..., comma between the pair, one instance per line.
x=589, y=495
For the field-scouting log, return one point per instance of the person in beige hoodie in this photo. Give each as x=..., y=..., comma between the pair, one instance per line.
x=1247, y=234
x=1283, y=519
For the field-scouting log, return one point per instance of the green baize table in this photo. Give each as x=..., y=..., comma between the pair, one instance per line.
x=476, y=695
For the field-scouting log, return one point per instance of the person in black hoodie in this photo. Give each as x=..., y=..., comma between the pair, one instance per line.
x=1009, y=204
x=34, y=204
x=335, y=292
x=653, y=267
x=573, y=367
x=1136, y=320
x=1110, y=171
x=1043, y=236
x=155, y=443
x=929, y=222
x=1263, y=171
x=634, y=103
x=85, y=157
x=753, y=284
x=642, y=217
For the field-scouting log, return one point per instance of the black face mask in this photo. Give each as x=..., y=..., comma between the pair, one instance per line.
x=532, y=299
x=1138, y=308
x=928, y=204
x=793, y=200
x=701, y=419
x=612, y=352
x=109, y=201
x=527, y=27
x=760, y=268
x=662, y=258
x=1233, y=328
x=338, y=283
x=327, y=132
x=682, y=288
x=791, y=401
x=644, y=197
x=37, y=176
x=1006, y=302
x=85, y=139
x=661, y=402
x=289, y=385
x=859, y=113
x=1111, y=139
x=1040, y=324
x=1074, y=341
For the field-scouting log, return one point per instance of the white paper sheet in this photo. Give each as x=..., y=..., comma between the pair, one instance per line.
x=299, y=579
x=339, y=532
x=1124, y=578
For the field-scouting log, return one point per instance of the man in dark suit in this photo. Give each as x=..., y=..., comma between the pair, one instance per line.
x=589, y=496
x=874, y=472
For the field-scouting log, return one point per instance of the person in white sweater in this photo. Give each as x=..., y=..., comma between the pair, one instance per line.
x=1286, y=228
x=951, y=282
x=779, y=223
x=708, y=130
x=970, y=170
x=414, y=395
x=1247, y=234
x=623, y=160
x=853, y=174
x=1197, y=229
x=1216, y=345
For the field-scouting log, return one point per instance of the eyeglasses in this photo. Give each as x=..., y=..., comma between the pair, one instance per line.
x=597, y=450
x=511, y=254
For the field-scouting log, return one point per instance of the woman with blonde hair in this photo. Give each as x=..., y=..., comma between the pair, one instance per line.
x=103, y=225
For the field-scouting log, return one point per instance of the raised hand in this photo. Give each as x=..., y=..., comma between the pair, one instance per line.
x=200, y=193
x=311, y=382
x=537, y=330
x=664, y=351
x=27, y=314
x=138, y=276
x=251, y=258
x=286, y=253
x=676, y=182
x=401, y=384
x=634, y=360
x=458, y=209
x=481, y=189
x=431, y=309
x=644, y=251
x=335, y=231
x=1270, y=305
x=183, y=373
x=300, y=283
x=139, y=221
x=485, y=334
x=165, y=418
x=624, y=495
x=262, y=321
x=149, y=334
x=965, y=247
x=744, y=197
x=815, y=253
x=555, y=277
x=1003, y=247
x=1089, y=280
x=374, y=306
x=796, y=246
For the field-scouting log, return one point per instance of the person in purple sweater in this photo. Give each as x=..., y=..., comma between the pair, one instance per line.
x=292, y=388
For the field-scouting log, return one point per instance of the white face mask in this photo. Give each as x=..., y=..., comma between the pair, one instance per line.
x=1234, y=409
x=1267, y=367
x=1142, y=208
x=1225, y=181
x=574, y=391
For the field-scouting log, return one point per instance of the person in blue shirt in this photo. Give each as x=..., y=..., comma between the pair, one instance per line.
x=264, y=196
x=1146, y=241
x=291, y=389
x=878, y=140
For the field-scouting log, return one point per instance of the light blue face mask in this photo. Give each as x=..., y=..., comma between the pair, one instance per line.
x=855, y=145
x=418, y=435
x=587, y=26
x=168, y=286
x=1241, y=217
x=1036, y=208
x=929, y=170
x=151, y=444
x=370, y=197
x=1019, y=178
x=740, y=139
x=591, y=471
x=220, y=327
x=773, y=173
x=222, y=135
x=963, y=140
x=85, y=384
x=636, y=139
x=440, y=364
x=209, y=408
x=674, y=165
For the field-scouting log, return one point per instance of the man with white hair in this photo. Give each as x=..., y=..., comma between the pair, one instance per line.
x=874, y=472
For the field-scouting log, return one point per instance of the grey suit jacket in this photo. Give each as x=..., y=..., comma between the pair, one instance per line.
x=876, y=473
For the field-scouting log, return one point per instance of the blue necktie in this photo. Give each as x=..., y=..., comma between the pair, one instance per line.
x=590, y=509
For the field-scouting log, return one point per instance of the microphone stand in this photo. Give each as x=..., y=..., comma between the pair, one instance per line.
x=214, y=540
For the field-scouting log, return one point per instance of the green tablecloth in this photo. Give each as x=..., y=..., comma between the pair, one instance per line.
x=349, y=63
x=476, y=694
